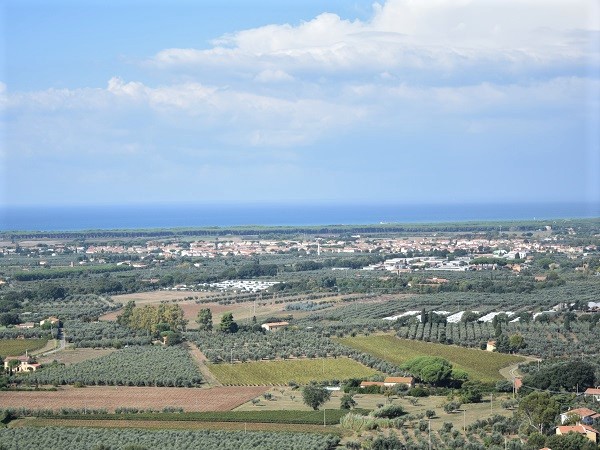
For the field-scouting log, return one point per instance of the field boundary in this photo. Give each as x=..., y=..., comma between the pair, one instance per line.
x=200, y=360
x=181, y=425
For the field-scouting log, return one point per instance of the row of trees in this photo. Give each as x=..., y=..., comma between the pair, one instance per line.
x=132, y=439
x=153, y=318
x=133, y=366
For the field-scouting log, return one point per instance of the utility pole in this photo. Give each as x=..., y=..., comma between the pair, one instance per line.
x=429, y=434
x=492, y=404
x=464, y=420
x=324, y=421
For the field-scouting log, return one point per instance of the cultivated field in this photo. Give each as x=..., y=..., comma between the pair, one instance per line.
x=479, y=364
x=240, y=311
x=17, y=347
x=70, y=356
x=154, y=297
x=282, y=372
x=180, y=425
x=109, y=398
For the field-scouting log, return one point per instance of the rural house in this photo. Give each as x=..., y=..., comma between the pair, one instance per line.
x=365, y=384
x=272, y=326
x=589, y=432
x=491, y=346
x=26, y=364
x=584, y=416
x=593, y=392
x=393, y=381
x=54, y=321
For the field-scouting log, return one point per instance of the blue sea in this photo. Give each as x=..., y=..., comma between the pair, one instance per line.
x=63, y=218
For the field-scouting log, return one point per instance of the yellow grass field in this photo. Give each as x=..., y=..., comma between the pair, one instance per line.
x=301, y=371
x=479, y=364
x=17, y=347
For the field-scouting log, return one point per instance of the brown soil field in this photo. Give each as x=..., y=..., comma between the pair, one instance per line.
x=151, y=297
x=70, y=356
x=109, y=398
x=264, y=308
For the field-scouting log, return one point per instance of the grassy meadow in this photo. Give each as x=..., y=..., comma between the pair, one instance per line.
x=479, y=364
x=301, y=371
x=17, y=347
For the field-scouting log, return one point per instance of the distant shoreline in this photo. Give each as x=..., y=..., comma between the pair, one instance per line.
x=160, y=217
x=354, y=229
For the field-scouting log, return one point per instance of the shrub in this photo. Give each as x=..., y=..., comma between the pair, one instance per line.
x=388, y=412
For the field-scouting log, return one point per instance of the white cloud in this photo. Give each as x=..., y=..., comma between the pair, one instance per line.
x=273, y=76
x=431, y=36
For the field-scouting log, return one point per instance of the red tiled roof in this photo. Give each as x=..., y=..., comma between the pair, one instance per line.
x=582, y=412
x=576, y=429
x=398, y=380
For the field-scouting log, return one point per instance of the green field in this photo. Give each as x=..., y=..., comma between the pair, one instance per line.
x=301, y=371
x=479, y=364
x=17, y=347
x=332, y=416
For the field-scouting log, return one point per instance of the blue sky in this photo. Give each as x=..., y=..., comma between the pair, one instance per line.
x=403, y=101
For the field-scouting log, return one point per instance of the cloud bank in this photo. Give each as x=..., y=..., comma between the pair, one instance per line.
x=422, y=82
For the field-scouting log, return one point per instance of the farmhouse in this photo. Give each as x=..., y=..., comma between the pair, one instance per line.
x=593, y=392
x=25, y=325
x=589, y=432
x=491, y=346
x=54, y=321
x=365, y=384
x=584, y=416
x=393, y=381
x=272, y=326
x=26, y=364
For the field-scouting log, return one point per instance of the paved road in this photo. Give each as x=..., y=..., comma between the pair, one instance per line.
x=62, y=343
x=511, y=372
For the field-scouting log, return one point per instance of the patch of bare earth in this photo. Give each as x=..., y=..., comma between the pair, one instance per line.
x=109, y=398
x=200, y=359
x=70, y=356
x=150, y=297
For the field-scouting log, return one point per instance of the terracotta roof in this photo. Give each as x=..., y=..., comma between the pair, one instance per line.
x=398, y=380
x=576, y=429
x=592, y=391
x=582, y=412
x=371, y=383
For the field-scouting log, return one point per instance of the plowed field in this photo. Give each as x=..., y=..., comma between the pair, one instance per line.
x=109, y=398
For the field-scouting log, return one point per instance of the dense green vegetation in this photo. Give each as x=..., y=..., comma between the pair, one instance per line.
x=256, y=346
x=332, y=416
x=103, y=334
x=109, y=439
x=133, y=366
